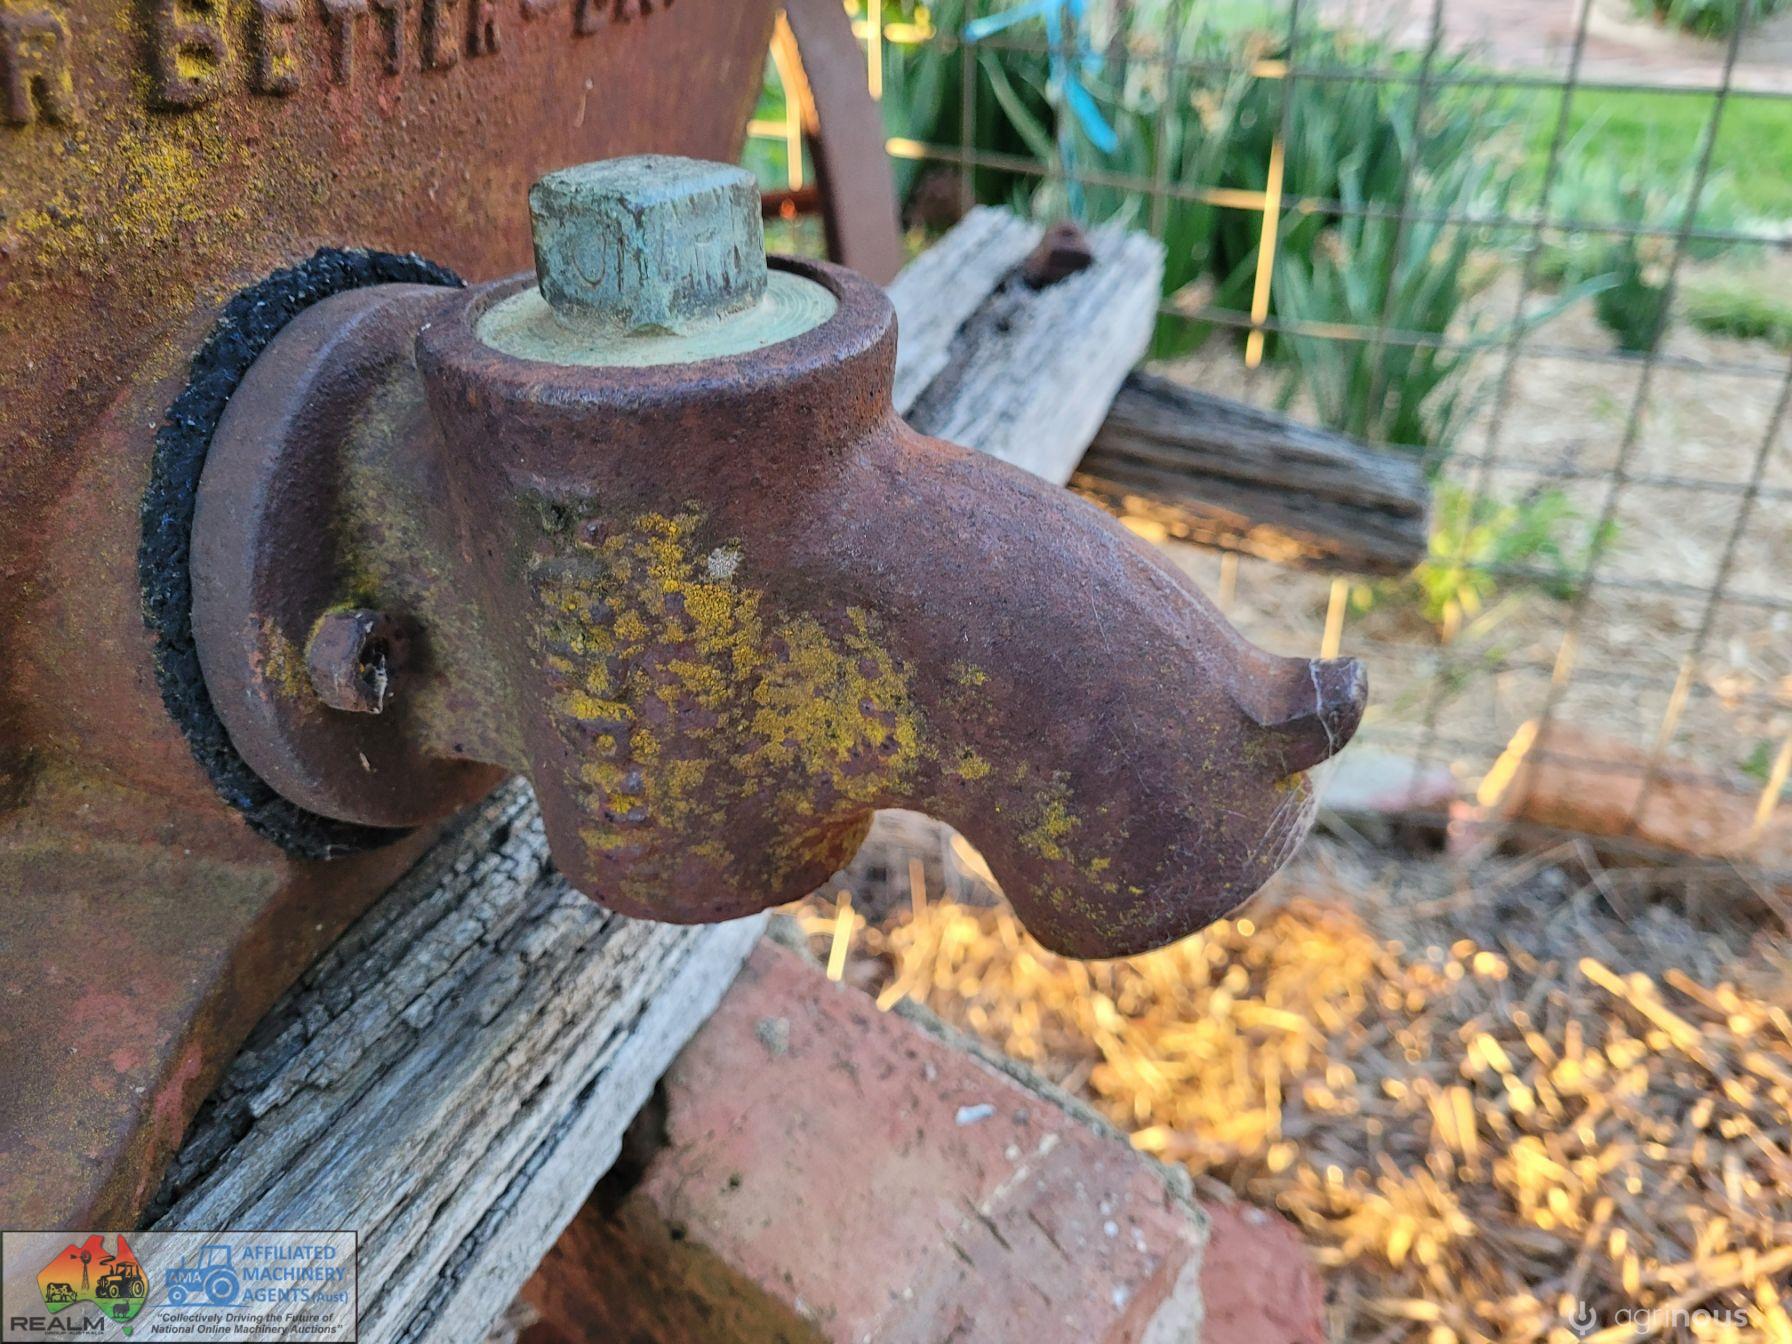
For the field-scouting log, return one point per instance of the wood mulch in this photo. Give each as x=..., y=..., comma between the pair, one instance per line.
x=1494, y=1100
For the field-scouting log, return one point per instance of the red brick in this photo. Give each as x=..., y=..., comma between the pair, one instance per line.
x=1578, y=781
x=1259, y=1281
x=834, y=1173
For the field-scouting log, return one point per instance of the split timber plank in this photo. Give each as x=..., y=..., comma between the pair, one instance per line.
x=938, y=291
x=1028, y=374
x=1221, y=473
x=452, y=1078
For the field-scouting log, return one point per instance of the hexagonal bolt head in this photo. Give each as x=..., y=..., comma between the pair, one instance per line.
x=648, y=244
x=352, y=657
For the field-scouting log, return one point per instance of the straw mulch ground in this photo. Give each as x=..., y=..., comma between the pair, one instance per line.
x=1485, y=1097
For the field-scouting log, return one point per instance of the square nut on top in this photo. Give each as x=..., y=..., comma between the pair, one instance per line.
x=651, y=243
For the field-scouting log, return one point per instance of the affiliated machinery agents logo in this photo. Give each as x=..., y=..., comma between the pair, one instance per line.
x=178, y=1286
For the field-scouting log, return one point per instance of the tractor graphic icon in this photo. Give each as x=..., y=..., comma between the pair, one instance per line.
x=209, y=1282
x=123, y=1280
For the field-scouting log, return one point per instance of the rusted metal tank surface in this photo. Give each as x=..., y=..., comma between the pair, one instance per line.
x=155, y=159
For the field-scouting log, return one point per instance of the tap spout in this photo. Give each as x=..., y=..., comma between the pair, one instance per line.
x=646, y=529
x=732, y=607
x=1128, y=764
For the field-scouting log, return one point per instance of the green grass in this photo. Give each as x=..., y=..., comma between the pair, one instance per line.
x=1759, y=765
x=1737, y=308
x=1660, y=134
x=1474, y=538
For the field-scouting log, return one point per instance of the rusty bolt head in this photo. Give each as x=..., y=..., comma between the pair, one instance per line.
x=352, y=658
x=646, y=244
x=1063, y=251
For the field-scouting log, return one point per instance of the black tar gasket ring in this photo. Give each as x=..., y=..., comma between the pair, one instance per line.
x=245, y=327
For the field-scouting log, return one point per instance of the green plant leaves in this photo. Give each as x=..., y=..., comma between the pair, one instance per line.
x=1710, y=18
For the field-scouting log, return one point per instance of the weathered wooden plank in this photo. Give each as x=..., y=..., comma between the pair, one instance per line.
x=1156, y=420
x=1222, y=473
x=938, y=291
x=452, y=1077
x=1030, y=375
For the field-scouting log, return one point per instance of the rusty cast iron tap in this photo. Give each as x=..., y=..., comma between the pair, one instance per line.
x=647, y=530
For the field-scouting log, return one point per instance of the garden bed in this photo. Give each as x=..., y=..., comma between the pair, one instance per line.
x=1561, y=430
x=1487, y=1097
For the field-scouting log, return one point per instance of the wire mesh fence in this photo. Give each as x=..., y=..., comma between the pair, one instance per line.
x=1554, y=266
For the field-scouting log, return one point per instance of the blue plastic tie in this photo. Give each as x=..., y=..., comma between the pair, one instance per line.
x=1066, y=75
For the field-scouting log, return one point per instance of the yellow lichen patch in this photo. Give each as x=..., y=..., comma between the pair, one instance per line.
x=723, y=702
x=971, y=766
x=615, y=778
x=282, y=664
x=589, y=708
x=684, y=775
x=714, y=851
x=161, y=186
x=605, y=839
x=1051, y=824
x=822, y=706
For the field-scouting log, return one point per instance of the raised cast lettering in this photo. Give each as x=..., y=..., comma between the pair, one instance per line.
x=188, y=51
x=276, y=65
x=588, y=16
x=482, y=27
x=441, y=38
x=36, y=68
x=392, y=14
x=192, y=50
x=341, y=19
